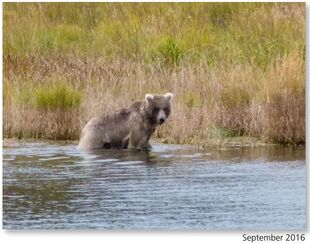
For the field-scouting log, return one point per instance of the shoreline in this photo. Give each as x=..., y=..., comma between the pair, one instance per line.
x=231, y=142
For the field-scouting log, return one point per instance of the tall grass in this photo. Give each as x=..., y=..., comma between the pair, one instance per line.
x=56, y=97
x=235, y=68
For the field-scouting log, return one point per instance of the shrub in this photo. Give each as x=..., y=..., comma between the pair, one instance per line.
x=59, y=96
x=56, y=97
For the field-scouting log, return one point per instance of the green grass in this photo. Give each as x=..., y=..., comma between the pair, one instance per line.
x=162, y=32
x=171, y=52
x=58, y=96
x=235, y=67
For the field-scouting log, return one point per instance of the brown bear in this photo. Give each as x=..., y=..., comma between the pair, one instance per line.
x=130, y=127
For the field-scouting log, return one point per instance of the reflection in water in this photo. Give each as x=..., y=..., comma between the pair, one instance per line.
x=118, y=155
x=169, y=187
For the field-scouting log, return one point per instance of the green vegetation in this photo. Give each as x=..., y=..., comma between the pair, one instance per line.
x=171, y=52
x=258, y=33
x=59, y=96
x=237, y=67
x=56, y=97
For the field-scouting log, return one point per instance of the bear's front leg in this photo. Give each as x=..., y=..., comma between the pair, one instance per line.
x=137, y=139
x=147, y=146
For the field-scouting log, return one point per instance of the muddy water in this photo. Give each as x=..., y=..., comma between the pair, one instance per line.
x=47, y=186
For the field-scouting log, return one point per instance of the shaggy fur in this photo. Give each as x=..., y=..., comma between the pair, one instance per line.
x=128, y=128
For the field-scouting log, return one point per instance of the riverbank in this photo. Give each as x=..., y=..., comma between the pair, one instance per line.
x=243, y=75
x=233, y=142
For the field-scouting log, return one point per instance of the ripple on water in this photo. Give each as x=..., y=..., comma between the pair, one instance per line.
x=171, y=187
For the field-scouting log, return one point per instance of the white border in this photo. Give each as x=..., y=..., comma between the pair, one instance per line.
x=61, y=236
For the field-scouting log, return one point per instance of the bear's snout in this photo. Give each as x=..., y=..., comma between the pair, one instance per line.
x=161, y=118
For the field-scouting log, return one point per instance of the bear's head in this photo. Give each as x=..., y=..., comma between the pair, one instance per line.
x=158, y=107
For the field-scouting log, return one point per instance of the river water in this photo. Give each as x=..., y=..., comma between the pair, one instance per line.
x=52, y=186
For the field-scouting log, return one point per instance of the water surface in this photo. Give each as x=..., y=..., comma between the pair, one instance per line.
x=48, y=186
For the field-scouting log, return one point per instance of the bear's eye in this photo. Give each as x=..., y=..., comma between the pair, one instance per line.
x=166, y=110
x=155, y=110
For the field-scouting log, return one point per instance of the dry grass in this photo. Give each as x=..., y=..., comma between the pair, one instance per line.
x=251, y=84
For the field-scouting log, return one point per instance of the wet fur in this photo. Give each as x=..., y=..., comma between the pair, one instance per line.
x=128, y=128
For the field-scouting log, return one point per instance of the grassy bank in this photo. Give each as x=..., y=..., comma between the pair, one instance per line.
x=235, y=69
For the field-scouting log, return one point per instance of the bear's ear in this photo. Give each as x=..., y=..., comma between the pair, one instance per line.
x=149, y=97
x=169, y=96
